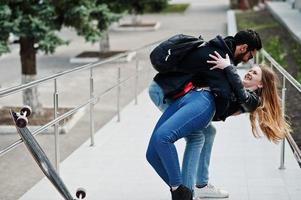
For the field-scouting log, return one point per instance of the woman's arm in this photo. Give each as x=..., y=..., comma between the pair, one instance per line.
x=249, y=100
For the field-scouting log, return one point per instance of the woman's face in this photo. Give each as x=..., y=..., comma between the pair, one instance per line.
x=252, y=80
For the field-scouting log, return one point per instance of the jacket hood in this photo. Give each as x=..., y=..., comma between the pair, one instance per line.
x=227, y=45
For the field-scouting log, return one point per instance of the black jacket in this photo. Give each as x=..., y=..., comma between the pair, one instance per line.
x=225, y=84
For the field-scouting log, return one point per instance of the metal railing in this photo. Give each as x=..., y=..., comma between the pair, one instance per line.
x=91, y=101
x=232, y=29
x=286, y=77
x=93, y=98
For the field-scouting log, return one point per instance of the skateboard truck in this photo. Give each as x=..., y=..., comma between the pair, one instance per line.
x=22, y=120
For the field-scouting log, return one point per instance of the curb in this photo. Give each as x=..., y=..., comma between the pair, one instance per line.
x=154, y=28
x=231, y=25
x=284, y=19
x=129, y=57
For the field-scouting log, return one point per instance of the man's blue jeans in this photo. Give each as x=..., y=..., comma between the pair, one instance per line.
x=195, y=166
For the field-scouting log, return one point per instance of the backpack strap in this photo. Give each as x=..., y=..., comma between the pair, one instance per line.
x=198, y=41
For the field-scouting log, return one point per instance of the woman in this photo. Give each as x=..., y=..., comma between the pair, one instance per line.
x=195, y=110
x=268, y=115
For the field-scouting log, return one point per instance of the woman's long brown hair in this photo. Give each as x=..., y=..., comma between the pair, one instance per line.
x=268, y=116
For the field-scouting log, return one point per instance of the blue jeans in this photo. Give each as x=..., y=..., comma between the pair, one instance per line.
x=186, y=115
x=195, y=166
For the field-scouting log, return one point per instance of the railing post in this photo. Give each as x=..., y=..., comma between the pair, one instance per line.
x=136, y=81
x=118, y=94
x=56, y=128
x=272, y=66
x=262, y=58
x=91, y=108
x=282, y=151
x=257, y=58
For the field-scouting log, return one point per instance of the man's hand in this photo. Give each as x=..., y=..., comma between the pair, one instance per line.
x=218, y=61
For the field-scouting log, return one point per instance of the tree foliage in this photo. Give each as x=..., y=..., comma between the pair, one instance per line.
x=42, y=19
x=137, y=6
x=158, y=5
x=37, y=22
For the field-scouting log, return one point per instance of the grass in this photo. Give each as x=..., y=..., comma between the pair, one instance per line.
x=171, y=8
x=176, y=8
x=275, y=48
x=277, y=41
x=296, y=50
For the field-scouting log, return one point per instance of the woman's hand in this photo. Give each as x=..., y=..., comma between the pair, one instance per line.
x=218, y=61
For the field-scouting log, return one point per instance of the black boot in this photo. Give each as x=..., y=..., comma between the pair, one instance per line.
x=181, y=193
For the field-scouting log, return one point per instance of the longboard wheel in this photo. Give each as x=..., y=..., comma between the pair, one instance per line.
x=27, y=110
x=21, y=122
x=80, y=193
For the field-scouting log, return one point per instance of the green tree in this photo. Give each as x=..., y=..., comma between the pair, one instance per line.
x=121, y=7
x=118, y=9
x=158, y=5
x=138, y=7
x=36, y=23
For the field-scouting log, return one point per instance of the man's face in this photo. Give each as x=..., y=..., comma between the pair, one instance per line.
x=244, y=55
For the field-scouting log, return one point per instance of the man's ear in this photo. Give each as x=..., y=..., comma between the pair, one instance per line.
x=243, y=48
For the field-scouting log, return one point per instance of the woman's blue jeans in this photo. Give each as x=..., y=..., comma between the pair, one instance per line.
x=184, y=117
x=195, y=166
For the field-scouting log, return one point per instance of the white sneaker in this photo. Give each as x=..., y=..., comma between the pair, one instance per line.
x=209, y=191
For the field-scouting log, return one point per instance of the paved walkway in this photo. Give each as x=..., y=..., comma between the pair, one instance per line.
x=116, y=167
x=196, y=20
x=289, y=17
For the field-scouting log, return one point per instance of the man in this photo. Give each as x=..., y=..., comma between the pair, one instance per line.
x=195, y=69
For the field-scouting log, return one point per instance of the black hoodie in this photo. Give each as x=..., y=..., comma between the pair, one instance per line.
x=225, y=84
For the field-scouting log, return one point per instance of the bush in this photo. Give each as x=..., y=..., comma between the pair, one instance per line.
x=157, y=5
x=276, y=50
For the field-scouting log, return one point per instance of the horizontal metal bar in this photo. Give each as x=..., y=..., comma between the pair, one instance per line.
x=289, y=77
x=65, y=115
x=10, y=147
x=19, y=88
x=295, y=147
x=15, y=89
x=113, y=87
x=297, y=85
x=61, y=117
x=49, y=124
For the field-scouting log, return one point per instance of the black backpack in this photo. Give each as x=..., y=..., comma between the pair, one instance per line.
x=169, y=53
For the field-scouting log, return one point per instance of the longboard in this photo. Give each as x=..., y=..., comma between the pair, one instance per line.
x=42, y=160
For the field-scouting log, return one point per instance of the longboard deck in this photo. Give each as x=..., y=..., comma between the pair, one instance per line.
x=41, y=159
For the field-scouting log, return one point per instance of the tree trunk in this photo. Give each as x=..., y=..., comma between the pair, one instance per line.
x=29, y=72
x=104, y=44
x=136, y=19
x=243, y=4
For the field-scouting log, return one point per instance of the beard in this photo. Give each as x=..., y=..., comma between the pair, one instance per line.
x=239, y=58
